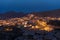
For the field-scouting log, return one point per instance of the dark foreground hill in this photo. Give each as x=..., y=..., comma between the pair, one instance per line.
x=25, y=34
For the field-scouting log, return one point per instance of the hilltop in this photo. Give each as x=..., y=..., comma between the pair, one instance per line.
x=13, y=14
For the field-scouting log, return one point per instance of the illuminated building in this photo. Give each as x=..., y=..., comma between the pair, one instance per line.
x=32, y=21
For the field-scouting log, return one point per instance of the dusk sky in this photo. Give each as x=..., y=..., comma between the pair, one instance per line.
x=29, y=5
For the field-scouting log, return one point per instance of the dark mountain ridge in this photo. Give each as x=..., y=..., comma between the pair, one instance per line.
x=52, y=13
x=13, y=14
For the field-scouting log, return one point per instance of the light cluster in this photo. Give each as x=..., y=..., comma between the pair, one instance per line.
x=32, y=21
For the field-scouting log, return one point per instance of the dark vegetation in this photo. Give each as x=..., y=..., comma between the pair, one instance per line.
x=18, y=32
x=54, y=22
x=10, y=35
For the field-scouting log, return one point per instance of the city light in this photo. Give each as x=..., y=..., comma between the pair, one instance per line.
x=35, y=22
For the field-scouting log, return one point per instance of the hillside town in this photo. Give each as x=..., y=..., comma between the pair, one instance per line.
x=30, y=27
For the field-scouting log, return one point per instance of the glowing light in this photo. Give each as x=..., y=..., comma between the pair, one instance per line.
x=8, y=29
x=37, y=26
x=33, y=27
x=38, y=22
x=48, y=29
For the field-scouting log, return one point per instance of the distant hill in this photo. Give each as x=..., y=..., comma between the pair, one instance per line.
x=52, y=13
x=13, y=14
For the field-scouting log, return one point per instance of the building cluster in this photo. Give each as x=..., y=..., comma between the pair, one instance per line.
x=30, y=27
x=31, y=21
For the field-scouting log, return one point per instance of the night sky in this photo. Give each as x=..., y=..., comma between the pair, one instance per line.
x=29, y=5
